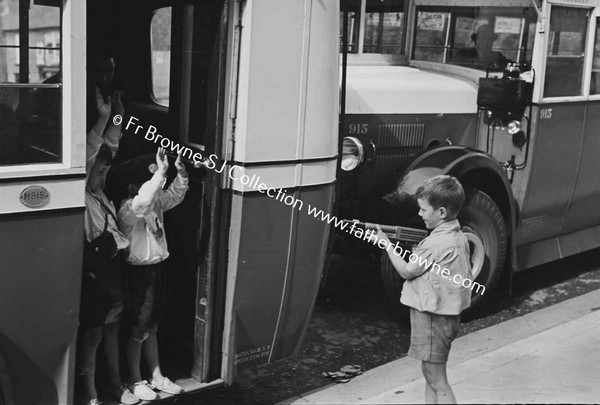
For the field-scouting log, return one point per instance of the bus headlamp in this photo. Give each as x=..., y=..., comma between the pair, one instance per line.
x=514, y=127
x=352, y=153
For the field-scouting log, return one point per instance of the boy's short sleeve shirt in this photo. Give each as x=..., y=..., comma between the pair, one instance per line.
x=439, y=264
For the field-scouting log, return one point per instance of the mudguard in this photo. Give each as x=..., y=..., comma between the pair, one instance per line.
x=472, y=167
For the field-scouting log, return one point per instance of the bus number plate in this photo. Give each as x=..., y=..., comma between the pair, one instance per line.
x=34, y=197
x=546, y=113
x=358, y=129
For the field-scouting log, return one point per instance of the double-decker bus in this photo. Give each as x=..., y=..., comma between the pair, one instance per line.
x=501, y=94
x=254, y=83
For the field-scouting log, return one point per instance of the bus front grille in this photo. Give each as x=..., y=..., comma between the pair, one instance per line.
x=396, y=145
x=408, y=135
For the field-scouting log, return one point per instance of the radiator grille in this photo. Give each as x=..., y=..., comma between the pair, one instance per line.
x=401, y=135
x=396, y=145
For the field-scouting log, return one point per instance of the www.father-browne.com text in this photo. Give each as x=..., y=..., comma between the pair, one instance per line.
x=237, y=173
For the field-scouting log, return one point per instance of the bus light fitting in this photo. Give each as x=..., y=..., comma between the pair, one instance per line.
x=353, y=153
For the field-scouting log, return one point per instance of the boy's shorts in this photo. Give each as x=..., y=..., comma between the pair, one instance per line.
x=431, y=335
x=145, y=297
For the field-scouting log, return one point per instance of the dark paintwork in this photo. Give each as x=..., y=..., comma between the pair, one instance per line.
x=268, y=288
x=41, y=276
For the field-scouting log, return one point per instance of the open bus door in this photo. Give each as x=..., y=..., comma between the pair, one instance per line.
x=42, y=181
x=253, y=87
x=281, y=129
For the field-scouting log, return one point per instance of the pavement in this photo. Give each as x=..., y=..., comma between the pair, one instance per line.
x=548, y=356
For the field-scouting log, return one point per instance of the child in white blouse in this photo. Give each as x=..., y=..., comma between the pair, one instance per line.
x=141, y=220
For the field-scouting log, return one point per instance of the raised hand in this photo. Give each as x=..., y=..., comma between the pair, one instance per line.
x=103, y=107
x=180, y=166
x=161, y=161
x=117, y=105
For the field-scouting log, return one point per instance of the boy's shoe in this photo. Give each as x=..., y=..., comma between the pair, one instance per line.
x=94, y=401
x=142, y=390
x=124, y=394
x=166, y=385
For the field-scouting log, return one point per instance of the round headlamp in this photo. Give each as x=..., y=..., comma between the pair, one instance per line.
x=352, y=153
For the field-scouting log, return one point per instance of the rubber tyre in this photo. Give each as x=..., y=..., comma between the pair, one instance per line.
x=481, y=215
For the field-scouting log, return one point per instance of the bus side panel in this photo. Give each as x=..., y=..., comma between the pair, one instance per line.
x=40, y=269
x=583, y=211
x=320, y=132
x=264, y=247
x=303, y=284
x=274, y=71
x=554, y=171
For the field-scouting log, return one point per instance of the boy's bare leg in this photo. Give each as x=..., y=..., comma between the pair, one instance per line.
x=86, y=359
x=133, y=355
x=429, y=394
x=435, y=375
x=151, y=354
x=111, y=352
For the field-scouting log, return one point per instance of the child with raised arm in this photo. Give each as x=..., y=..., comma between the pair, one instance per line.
x=141, y=220
x=101, y=293
x=431, y=289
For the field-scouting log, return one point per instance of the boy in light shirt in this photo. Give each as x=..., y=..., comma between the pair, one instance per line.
x=436, y=301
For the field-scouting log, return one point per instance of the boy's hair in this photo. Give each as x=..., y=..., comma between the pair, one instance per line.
x=104, y=155
x=443, y=191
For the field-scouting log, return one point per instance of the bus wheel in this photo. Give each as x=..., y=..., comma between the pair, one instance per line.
x=484, y=226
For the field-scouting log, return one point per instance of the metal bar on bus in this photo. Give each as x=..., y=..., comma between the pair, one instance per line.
x=361, y=27
x=400, y=233
x=31, y=85
x=447, y=41
x=521, y=39
x=24, y=41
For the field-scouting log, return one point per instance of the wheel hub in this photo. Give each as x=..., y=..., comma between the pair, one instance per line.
x=477, y=251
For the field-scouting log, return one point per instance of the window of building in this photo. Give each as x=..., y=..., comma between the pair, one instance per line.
x=30, y=84
x=160, y=40
x=566, y=48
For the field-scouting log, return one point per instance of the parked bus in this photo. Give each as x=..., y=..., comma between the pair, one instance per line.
x=254, y=83
x=503, y=95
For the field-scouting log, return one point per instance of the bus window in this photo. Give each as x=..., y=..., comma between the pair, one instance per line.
x=160, y=40
x=474, y=37
x=431, y=36
x=384, y=27
x=566, y=46
x=595, y=83
x=30, y=89
x=352, y=8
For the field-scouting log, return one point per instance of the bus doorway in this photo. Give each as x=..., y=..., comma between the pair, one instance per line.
x=169, y=61
x=206, y=75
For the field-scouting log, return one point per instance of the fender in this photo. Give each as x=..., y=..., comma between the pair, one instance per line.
x=473, y=168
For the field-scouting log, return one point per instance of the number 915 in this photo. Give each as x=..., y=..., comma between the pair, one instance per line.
x=358, y=129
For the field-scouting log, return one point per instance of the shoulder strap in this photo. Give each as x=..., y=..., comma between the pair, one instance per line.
x=109, y=211
x=105, y=222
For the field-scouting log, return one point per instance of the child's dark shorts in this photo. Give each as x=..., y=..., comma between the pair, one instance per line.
x=101, y=294
x=431, y=335
x=145, y=297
